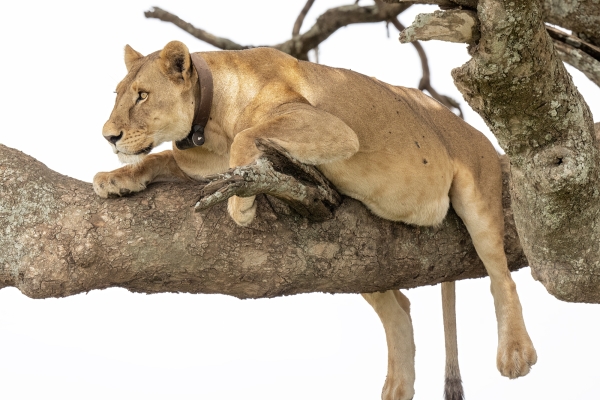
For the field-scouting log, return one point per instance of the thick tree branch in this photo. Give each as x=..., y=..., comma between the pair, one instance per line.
x=574, y=41
x=578, y=53
x=459, y=26
x=580, y=60
x=59, y=239
x=581, y=17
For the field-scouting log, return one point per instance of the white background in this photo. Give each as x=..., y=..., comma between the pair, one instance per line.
x=60, y=64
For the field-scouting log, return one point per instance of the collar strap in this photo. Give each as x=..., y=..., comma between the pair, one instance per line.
x=202, y=109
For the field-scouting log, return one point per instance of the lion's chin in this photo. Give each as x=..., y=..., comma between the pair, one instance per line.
x=130, y=158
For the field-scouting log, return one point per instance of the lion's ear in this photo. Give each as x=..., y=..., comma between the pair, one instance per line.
x=175, y=61
x=131, y=56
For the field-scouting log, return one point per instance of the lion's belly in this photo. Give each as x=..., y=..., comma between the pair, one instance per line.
x=395, y=186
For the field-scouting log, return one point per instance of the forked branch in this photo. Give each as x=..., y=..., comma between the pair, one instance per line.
x=299, y=45
x=462, y=26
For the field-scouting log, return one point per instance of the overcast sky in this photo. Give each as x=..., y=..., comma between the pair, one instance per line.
x=61, y=63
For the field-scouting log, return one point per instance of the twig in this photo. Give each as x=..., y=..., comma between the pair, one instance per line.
x=301, y=16
x=219, y=42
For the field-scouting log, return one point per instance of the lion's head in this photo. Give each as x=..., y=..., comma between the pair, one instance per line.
x=155, y=102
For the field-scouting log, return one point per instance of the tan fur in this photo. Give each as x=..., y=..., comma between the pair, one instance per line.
x=393, y=309
x=402, y=154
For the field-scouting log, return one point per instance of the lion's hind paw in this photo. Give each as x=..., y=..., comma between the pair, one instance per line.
x=516, y=357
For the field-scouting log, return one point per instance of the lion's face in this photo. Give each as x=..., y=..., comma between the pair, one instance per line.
x=155, y=102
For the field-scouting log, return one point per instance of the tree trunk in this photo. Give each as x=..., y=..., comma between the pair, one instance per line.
x=516, y=82
x=58, y=239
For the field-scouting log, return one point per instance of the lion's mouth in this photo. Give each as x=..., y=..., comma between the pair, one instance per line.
x=145, y=150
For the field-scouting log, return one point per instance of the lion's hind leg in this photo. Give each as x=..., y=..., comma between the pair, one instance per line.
x=393, y=309
x=480, y=208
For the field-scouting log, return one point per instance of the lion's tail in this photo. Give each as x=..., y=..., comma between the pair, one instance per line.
x=453, y=389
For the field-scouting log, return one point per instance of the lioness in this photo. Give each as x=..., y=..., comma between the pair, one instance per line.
x=402, y=154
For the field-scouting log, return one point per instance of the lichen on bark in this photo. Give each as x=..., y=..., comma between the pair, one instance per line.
x=517, y=83
x=580, y=16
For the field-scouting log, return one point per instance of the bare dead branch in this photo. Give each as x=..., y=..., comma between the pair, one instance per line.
x=301, y=16
x=298, y=46
x=278, y=174
x=458, y=26
x=425, y=83
x=219, y=42
x=581, y=17
x=580, y=60
x=334, y=19
x=580, y=54
x=574, y=41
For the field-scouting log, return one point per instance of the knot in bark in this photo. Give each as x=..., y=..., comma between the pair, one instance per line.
x=557, y=168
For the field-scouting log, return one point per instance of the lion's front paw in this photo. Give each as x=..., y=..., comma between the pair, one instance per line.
x=116, y=184
x=242, y=209
x=516, y=355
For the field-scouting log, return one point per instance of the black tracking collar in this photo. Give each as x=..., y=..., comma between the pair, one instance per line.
x=202, y=109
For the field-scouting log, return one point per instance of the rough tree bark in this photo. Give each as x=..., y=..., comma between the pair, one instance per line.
x=58, y=239
x=582, y=17
x=518, y=84
x=579, y=16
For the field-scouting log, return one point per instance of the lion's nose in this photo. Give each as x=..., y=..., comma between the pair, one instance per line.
x=114, y=139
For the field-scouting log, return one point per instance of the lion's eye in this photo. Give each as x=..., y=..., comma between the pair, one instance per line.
x=142, y=96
